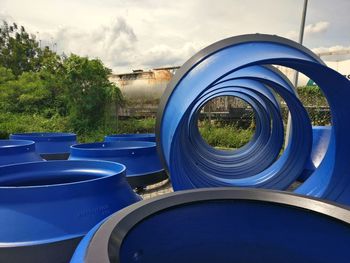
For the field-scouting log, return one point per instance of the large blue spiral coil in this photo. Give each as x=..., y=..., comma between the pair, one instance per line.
x=241, y=67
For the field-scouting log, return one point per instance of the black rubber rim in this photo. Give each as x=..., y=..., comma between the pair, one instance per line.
x=55, y=156
x=146, y=179
x=54, y=252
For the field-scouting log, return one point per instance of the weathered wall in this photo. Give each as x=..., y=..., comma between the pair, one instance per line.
x=145, y=85
x=142, y=90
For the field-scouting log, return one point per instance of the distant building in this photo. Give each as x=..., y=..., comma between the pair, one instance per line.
x=143, y=89
x=144, y=85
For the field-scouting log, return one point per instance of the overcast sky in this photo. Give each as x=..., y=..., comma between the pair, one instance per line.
x=145, y=34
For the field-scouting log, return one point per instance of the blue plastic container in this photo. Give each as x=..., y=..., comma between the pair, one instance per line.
x=149, y=137
x=221, y=225
x=17, y=151
x=140, y=158
x=47, y=207
x=50, y=145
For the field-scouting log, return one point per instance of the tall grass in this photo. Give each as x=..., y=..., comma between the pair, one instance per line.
x=225, y=136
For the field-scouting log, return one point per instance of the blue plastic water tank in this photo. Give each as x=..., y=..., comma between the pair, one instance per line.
x=17, y=151
x=47, y=207
x=140, y=158
x=50, y=145
x=150, y=137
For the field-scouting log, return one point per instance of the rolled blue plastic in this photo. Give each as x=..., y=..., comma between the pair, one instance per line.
x=50, y=145
x=238, y=62
x=150, y=137
x=221, y=225
x=17, y=151
x=47, y=207
x=140, y=158
x=320, y=141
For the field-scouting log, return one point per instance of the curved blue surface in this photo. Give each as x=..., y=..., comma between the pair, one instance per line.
x=244, y=58
x=45, y=202
x=151, y=137
x=263, y=148
x=17, y=151
x=320, y=141
x=139, y=157
x=49, y=142
x=221, y=225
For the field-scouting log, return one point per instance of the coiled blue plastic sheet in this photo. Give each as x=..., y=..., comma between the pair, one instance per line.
x=241, y=66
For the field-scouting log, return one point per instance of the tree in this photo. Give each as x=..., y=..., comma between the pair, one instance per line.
x=87, y=87
x=19, y=51
x=5, y=75
x=115, y=101
x=35, y=81
x=27, y=94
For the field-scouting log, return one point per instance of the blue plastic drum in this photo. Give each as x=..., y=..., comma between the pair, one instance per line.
x=17, y=151
x=50, y=145
x=149, y=137
x=221, y=225
x=47, y=207
x=140, y=158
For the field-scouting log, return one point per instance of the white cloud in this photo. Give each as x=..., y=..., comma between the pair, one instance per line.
x=113, y=43
x=339, y=52
x=150, y=33
x=337, y=48
x=117, y=45
x=310, y=29
x=163, y=55
x=6, y=17
x=146, y=33
x=316, y=28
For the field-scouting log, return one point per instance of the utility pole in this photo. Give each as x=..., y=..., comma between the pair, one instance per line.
x=300, y=40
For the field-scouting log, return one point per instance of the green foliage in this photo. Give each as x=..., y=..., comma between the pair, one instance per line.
x=146, y=125
x=316, y=104
x=5, y=75
x=225, y=136
x=38, y=82
x=125, y=126
x=11, y=123
x=312, y=96
x=32, y=93
x=87, y=88
x=19, y=51
x=42, y=91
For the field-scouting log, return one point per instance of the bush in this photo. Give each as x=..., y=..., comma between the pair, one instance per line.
x=226, y=136
x=13, y=123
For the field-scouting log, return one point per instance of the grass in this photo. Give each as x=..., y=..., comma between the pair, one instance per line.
x=13, y=123
x=225, y=136
x=216, y=135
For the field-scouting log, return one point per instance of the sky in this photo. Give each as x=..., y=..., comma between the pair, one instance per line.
x=145, y=34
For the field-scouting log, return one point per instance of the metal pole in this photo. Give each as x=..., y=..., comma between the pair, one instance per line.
x=300, y=40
